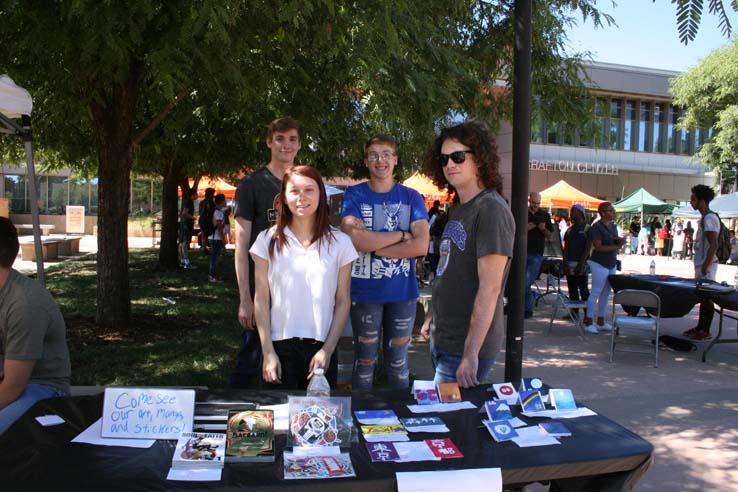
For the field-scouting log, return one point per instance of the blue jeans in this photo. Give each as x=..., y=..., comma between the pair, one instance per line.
x=32, y=394
x=633, y=245
x=446, y=364
x=392, y=324
x=532, y=271
x=216, y=248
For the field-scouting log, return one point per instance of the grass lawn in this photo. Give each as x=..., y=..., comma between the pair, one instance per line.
x=193, y=341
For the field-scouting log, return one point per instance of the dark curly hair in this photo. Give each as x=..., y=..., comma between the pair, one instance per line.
x=703, y=192
x=475, y=135
x=8, y=243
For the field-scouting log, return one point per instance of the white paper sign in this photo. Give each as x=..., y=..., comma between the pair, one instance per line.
x=75, y=219
x=147, y=413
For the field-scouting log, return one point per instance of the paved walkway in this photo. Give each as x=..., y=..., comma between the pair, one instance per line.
x=686, y=408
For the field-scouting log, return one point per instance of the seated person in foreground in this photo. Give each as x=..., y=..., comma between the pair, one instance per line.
x=34, y=359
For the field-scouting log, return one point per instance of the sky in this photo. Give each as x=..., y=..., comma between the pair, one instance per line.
x=646, y=35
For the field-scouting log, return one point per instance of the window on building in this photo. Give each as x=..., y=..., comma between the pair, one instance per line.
x=552, y=133
x=57, y=195
x=536, y=128
x=645, y=133
x=42, y=192
x=658, y=127
x=616, y=116
x=672, y=134
x=15, y=192
x=629, y=125
x=602, y=138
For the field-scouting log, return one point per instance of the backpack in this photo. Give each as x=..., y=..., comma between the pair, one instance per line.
x=723, y=239
x=205, y=221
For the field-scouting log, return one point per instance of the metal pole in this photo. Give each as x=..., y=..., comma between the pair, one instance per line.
x=518, y=200
x=27, y=137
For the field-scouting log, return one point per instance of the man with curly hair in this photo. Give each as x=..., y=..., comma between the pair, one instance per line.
x=476, y=247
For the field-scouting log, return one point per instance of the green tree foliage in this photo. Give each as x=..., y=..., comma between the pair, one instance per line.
x=689, y=16
x=709, y=91
x=186, y=88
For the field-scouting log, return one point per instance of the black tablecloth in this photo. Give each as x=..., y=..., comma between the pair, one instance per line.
x=599, y=456
x=678, y=295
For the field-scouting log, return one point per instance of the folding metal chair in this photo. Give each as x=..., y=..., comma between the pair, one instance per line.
x=636, y=330
x=562, y=300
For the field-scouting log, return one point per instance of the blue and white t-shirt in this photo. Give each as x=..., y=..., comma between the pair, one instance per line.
x=376, y=279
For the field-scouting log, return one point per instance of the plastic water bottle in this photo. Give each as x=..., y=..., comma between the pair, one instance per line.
x=652, y=268
x=318, y=385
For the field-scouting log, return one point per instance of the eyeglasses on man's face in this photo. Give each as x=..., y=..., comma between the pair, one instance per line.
x=374, y=157
x=458, y=157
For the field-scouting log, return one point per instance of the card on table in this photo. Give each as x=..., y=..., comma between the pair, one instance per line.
x=449, y=392
x=555, y=428
x=501, y=430
x=563, y=399
x=444, y=448
x=377, y=417
x=531, y=401
x=498, y=410
x=507, y=392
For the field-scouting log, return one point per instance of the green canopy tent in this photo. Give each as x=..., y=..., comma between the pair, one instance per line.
x=642, y=202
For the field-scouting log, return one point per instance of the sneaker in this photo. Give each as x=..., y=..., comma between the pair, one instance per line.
x=700, y=336
x=215, y=280
x=692, y=331
x=189, y=266
x=591, y=329
x=605, y=327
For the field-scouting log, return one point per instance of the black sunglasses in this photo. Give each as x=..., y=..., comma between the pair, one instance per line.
x=458, y=157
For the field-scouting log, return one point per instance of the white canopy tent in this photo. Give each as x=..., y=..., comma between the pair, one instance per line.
x=16, y=103
x=726, y=207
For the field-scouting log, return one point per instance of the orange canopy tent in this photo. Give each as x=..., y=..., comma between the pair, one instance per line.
x=219, y=184
x=423, y=185
x=564, y=195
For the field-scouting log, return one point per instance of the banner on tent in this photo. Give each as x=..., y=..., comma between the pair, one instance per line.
x=573, y=167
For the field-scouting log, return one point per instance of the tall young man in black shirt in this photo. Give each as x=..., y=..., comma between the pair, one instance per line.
x=256, y=211
x=539, y=228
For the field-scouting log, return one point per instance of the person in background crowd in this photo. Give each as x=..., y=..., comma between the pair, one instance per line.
x=677, y=250
x=688, y=240
x=303, y=283
x=576, y=255
x=205, y=209
x=255, y=211
x=539, y=229
x=733, y=248
x=605, y=243
x=216, y=239
x=34, y=358
x=668, y=239
x=635, y=230
x=705, y=257
x=434, y=210
x=643, y=239
x=186, y=227
x=563, y=224
x=477, y=244
x=388, y=225
x=227, y=224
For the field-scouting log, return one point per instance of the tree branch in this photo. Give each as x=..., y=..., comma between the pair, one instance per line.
x=158, y=118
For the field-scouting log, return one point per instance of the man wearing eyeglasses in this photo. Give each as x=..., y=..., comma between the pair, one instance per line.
x=476, y=247
x=388, y=225
x=539, y=229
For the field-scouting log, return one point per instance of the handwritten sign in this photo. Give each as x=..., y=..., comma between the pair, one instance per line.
x=147, y=413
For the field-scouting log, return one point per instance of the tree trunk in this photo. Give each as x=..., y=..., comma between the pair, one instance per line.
x=112, y=111
x=168, y=255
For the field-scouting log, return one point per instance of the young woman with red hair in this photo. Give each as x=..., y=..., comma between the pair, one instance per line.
x=302, y=298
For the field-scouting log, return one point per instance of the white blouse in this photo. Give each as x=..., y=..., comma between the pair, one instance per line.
x=303, y=282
